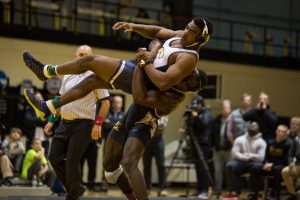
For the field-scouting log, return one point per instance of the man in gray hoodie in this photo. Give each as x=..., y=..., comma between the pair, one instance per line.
x=247, y=156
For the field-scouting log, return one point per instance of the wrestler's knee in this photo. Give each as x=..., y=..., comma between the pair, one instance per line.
x=130, y=163
x=109, y=164
x=113, y=175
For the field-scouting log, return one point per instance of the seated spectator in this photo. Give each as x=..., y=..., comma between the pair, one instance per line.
x=35, y=165
x=5, y=166
x=292, y=171
x=275, y=160
x=15, y=148
x=247, y=156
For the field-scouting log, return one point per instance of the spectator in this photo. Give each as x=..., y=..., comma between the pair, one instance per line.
x=115, y=114
x=276, y=159
x=15, y=148
x=294, y=128
x=287, y=47
x=5, y=166
x=165, y=17
x=269, y=45
x=221, y=145
x=156, y=148
x=60, y=15
x=124, y=6
x=201, y=126
x=236, y=125
x=247, y=155
x=142, y=14
x=35, y=165
x=264, y=116
x=292, y=171
x=248, y=42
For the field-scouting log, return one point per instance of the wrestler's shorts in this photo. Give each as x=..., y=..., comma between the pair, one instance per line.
x=122, y=78
x=140, y=131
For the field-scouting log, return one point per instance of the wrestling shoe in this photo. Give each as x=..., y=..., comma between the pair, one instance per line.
x=34, y=65
x=40, y=107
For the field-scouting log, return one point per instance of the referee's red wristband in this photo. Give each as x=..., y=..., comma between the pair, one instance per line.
x=99, y=120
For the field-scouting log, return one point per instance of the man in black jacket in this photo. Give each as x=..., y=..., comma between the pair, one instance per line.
x=200, y=124
x=264, y=116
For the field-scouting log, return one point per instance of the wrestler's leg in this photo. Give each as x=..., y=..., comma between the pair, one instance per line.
x=103, y=66
x=44, y=108
x=82, y=89
x=113, y=153
x=133, y=151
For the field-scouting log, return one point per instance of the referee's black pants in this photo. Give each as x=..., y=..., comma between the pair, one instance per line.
x=70, y=141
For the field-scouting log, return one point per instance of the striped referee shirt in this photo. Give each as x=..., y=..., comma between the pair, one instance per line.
x=84, y=108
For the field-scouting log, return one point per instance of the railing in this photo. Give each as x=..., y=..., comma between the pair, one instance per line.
x=96, y=17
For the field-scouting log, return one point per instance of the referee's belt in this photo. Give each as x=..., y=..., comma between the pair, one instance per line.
x=75, y=120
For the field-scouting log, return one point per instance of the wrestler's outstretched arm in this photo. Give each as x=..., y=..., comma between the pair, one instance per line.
x=147, y=31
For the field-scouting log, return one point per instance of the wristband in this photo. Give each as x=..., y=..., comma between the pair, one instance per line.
x=99, y=120
x=52, y=118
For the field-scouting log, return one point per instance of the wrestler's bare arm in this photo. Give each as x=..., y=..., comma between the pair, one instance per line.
x=148, y=31
x=184, y=64
x=165, y=101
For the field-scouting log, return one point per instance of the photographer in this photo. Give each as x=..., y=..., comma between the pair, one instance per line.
x=199, y=121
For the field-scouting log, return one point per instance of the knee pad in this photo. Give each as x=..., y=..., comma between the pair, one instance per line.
x=112, y=177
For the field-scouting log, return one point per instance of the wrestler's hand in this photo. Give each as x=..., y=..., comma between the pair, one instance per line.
x=96, y=132
x=128, y=27
x=144, y=56
x=48, y=128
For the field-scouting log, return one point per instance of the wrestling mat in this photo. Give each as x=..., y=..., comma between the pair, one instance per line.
x=88, y=198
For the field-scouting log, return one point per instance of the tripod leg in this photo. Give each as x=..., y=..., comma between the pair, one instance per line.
x=201, y=158
x=187, y=192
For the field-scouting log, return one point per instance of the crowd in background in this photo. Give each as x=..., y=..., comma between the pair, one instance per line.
x=248, y=140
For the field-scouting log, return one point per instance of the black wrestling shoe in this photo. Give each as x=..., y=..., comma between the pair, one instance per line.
x=34, y=65
x=40, y=107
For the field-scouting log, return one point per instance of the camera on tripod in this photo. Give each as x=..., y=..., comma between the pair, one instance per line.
x=195, y=107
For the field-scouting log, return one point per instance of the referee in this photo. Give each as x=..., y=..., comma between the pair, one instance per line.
x=76, y=130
